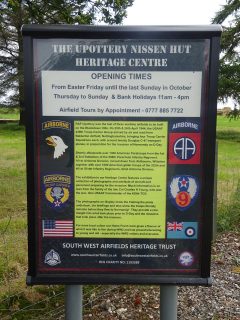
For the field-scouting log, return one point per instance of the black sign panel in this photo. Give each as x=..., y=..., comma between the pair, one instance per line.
x=120, y=153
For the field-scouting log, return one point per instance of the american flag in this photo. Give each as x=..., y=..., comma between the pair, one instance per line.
x=57, y=228
x=174, y=226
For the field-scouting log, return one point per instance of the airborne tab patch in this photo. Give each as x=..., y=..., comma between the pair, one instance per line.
x=56, y=124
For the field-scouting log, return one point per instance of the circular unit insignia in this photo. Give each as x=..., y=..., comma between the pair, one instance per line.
x=184, y=148
x=190, y=232
x=183, y=199
x=186, y=259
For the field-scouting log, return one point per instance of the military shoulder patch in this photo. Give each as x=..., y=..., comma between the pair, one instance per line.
x=57, y=189
x=184, y=148
x=56, y=124
x=183, y=191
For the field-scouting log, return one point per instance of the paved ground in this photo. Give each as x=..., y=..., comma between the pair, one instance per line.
x=219, y=302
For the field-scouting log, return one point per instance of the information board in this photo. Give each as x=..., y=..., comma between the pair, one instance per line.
x=120, y=149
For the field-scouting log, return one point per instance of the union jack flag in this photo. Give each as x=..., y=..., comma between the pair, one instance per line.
x=57, y=228
x=175, y=226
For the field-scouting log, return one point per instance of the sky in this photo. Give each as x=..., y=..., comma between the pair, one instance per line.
x=172, y=12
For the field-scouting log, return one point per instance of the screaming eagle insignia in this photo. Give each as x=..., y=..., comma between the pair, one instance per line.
x=57, y=189
x=58, y=144
x=183, y=191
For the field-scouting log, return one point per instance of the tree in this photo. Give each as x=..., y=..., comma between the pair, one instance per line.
x=15, y=13
x=229, y=75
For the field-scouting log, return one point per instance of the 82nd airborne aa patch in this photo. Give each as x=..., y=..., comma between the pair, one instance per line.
x=183, y=191
x=57, y=189
x=184, y=148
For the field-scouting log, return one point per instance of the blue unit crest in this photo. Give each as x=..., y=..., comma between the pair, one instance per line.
x=57, y=189
x=183, y=191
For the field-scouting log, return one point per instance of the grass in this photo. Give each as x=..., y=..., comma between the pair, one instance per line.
x=12, y=169
x=228, y=183
x=6, y=113
x=13, y=223
x=13, y=233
